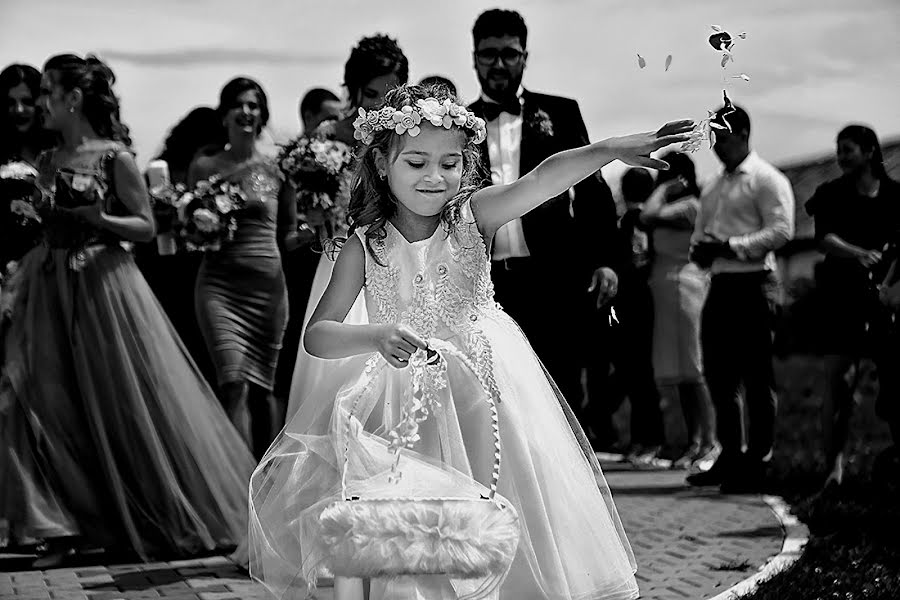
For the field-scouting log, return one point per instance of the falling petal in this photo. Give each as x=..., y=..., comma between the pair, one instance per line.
x=641, y=62
x=668, y=62
x=716, y=28
x=725, y=58
x=743, y=35
x=743, y=76
x=721, y=41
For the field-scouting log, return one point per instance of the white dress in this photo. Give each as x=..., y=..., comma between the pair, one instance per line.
x=572, y=544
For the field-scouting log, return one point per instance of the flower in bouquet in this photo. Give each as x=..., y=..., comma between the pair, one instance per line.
x=318, y=168
x=207, y=215
x=17, y=189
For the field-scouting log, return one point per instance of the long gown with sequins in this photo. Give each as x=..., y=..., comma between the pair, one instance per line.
x=241, y=298
x=572, y=544
x=108, y=431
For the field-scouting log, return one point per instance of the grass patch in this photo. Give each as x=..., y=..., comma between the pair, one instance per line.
x=854, y=547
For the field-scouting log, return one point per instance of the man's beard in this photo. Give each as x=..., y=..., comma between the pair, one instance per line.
x=509, y=89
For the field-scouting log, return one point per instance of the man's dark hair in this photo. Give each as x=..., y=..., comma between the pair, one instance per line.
x=736, y=118
x=314, y=98
x=498, y=23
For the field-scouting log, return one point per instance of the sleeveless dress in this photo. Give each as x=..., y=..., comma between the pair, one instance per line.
x=107, y=428
x=241, y=298
x=679, y=290
x=572, y=544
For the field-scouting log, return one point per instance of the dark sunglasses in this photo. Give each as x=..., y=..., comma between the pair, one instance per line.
x=509, y=56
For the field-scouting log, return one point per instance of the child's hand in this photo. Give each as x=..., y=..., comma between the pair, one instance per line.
x=396, y=343
x=635, y=149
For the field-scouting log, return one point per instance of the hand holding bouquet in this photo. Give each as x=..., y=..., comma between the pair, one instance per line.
x=318, y=168
x=207, y=215
x=19, y=192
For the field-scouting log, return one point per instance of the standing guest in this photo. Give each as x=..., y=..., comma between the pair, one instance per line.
x=107, y=430
x=855, y=215
x=679, y=290
x=317, y=105
x=200, y=132
x=531, y=282
x=439, y=80
x=745, y=215
x=241, y=300
x=22, y=132
x=22, y=138
x=375, y=65
x=630, y=349
x=173, y=277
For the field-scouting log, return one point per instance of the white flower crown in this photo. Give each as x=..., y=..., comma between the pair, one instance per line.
x=408, y=118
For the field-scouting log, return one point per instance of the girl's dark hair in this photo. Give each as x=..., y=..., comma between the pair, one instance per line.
x=95, y=80
x=867, y=140
x=371, y=201
x=680, y=165
x=37, y=138
x=373, y=57
x=237, y=86
x=199, y=129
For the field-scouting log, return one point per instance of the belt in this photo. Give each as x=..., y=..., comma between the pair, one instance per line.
x=515, y=263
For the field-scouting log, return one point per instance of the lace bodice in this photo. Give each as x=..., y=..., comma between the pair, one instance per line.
x=440, y=287
x=434, y=285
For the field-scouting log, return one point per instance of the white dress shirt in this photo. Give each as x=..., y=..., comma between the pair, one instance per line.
x=504, y=141
x=753, y=209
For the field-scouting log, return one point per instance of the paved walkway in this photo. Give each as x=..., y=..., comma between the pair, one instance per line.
x=689, y=544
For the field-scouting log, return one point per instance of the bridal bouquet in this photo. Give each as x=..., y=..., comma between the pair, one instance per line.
x=319, y=169
x=17, y=189
x=207, y=215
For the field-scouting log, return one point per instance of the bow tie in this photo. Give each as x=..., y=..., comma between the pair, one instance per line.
x=492, y=110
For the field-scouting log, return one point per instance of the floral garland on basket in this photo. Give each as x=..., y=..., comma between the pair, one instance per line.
x=318, y=166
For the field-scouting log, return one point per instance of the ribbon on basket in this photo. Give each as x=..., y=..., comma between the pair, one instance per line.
x=463, y=538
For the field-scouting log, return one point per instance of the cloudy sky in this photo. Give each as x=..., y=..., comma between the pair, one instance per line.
x=814, y=65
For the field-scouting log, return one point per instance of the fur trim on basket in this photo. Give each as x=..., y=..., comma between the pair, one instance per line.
x=389, y=537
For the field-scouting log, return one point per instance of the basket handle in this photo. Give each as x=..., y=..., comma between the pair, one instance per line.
x=437, y=350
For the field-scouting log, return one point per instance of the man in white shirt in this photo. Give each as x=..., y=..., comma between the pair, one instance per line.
x=544, y=263
x=745, y=215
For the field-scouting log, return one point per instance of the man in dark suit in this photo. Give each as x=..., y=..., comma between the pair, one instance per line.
x=545, y=262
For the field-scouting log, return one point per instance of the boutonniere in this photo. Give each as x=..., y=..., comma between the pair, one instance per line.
x=540, y=122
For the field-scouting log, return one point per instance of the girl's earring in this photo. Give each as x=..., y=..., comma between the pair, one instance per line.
x=71, y=109
x=382, y=176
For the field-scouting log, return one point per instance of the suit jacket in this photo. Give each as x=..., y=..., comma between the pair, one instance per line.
x=551, y=124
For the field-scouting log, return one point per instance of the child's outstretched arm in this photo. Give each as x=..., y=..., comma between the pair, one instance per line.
x=497, y=205
x=327, y=336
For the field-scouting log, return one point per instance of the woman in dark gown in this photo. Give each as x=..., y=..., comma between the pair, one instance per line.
x=108, y=432
x=241, y=298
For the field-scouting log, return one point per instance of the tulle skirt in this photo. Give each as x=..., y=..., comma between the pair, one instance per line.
x=571, y=546
x=310, y=371
x=107, y=429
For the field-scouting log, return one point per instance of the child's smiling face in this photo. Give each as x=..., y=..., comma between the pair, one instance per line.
x=425, y=171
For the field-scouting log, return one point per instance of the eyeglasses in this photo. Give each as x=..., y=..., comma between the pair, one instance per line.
x=509, y=56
